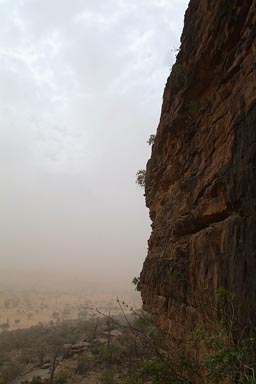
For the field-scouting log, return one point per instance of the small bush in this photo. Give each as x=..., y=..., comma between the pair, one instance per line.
x=104, y=352
x=61, y=378
x=157, y=371
x=151, y=139
x=107, y=377
x=36, y=380
x=82, y=366
x=26, y=359
x=136, y=282
x=140, y=177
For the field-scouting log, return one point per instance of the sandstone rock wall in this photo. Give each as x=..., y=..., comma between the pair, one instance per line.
x=201, y=178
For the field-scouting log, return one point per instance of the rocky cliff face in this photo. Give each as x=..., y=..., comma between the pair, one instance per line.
x=201, y=178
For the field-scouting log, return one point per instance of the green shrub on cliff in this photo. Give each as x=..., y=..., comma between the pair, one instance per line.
x=229, y=344
x=136, y=282
x=140, y=177
x=151, y=139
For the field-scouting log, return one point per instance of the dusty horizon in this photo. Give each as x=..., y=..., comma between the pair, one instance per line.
x=81, y=92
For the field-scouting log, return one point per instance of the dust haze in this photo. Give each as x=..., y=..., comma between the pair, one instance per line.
x=81, y=89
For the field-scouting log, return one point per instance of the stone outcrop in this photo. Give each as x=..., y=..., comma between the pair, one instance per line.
x=201, y=177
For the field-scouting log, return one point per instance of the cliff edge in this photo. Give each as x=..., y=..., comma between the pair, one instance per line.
x=201, y=177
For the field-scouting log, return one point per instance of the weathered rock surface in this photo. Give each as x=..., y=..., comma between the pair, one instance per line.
x=201, y=178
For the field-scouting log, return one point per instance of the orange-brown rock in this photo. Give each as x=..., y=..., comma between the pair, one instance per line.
x=201, y=178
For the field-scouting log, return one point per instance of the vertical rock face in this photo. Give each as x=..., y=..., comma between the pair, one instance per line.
x=201, y=178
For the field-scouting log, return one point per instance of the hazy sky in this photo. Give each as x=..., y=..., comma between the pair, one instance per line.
x=81, y=85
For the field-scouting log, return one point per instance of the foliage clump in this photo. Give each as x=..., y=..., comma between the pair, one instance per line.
x=107, y=377
x=151, y=139
x=141, y=177
x=229, y=344
x=136, y=282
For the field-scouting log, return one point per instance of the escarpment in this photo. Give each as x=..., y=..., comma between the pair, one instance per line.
x=201, y=177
